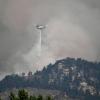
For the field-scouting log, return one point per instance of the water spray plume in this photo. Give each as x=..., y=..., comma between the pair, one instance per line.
x=40, y=28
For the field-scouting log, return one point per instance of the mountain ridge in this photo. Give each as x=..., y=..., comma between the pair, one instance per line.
x=76, y=77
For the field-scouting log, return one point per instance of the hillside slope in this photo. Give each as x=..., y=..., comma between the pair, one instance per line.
x=76, y=77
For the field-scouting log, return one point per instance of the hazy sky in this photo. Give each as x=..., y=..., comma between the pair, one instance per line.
x=73, y=30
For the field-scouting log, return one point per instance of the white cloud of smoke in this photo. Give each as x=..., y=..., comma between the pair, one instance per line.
x=72, y=30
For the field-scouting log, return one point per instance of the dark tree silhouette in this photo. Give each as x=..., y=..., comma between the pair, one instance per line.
x=32, y=98
x=48, y=98
x=0, y=98
x=23, y=95
x=12, y=96
x=40, y=97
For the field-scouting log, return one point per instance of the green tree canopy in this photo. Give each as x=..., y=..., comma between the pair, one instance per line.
x=23, y=95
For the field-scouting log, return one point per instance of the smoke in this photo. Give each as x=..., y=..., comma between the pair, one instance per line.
x=15, y=39
x=72, y=30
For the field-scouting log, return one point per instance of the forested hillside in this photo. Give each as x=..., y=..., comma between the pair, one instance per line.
x=76, y=77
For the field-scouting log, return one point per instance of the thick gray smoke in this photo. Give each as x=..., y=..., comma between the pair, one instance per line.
x=72, y=30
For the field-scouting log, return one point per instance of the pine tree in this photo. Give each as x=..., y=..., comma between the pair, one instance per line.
x=48, y=98
x=12, y=96
x=23, y=95
x=0, y=98
x=32, y=98
x=40, y=97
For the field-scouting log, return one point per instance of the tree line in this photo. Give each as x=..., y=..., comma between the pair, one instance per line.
x=23, y=95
